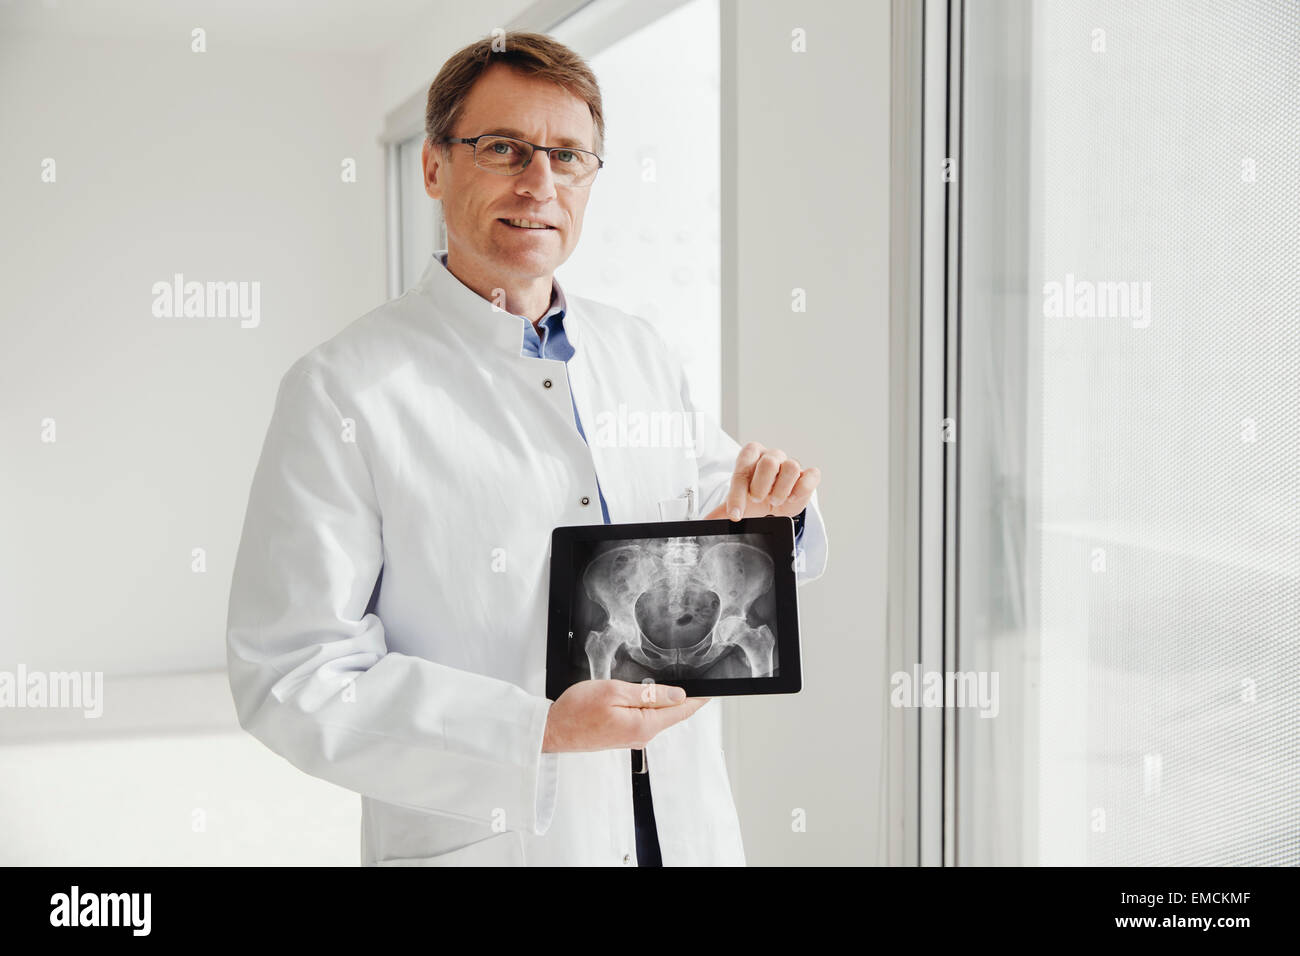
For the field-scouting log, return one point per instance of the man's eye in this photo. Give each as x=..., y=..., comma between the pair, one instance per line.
x=503, y=149
x=565, y=155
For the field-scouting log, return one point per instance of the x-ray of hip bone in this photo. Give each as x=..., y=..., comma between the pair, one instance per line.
x=676, y=608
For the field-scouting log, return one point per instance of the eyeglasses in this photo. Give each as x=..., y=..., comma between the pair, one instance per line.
x=507, y=156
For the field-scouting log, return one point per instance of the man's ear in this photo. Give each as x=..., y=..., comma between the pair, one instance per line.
x=432, y=160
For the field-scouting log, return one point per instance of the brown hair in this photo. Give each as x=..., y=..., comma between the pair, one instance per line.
x=533, y=54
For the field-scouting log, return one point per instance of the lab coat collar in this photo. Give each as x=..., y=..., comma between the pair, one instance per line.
x=476, y=319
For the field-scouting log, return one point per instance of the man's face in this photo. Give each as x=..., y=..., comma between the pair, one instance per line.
x=478, y=203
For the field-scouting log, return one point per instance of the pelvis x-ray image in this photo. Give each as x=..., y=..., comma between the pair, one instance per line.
x=676, y=608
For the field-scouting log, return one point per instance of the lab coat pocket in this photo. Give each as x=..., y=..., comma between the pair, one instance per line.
x=500, y=849
x=680, y=508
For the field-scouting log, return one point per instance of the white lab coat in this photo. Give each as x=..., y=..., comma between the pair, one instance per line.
x=419, y=440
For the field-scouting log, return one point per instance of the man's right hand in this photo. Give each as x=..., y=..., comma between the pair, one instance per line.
x=614, y=715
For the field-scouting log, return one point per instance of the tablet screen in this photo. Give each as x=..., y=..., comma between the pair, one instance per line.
x=689, y=610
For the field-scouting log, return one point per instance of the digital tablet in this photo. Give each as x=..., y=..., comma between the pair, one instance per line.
x=708, y=606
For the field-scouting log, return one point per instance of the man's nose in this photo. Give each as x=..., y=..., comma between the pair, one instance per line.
x=537, y=180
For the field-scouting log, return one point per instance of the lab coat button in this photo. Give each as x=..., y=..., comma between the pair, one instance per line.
x=546, y=384
x=627, y=859
x=586, y=500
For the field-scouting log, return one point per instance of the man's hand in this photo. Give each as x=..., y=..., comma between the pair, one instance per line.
x=767, y=482
x=614, y=715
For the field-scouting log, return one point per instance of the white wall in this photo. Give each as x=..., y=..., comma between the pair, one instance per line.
x=414, y=56
x=815, y=384
x=220, y=166
x=164, y=777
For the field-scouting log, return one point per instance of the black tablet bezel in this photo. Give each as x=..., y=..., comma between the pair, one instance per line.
x=789, y=681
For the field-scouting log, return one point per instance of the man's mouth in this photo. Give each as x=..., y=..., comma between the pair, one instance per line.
x=525, y=224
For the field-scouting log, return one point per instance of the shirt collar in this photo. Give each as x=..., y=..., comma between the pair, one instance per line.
x=558, y=303
x=476, y=320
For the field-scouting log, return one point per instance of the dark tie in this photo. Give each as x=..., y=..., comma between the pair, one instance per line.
x=643, y=813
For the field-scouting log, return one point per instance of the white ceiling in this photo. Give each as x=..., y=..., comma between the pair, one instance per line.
x=357, y=26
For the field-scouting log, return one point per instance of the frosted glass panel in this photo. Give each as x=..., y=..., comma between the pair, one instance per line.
x=1130, y=457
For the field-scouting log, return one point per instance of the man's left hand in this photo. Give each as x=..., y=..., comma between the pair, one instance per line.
x=767, y=482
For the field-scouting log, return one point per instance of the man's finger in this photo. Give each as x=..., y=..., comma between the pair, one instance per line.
x=785, y=481
x=765, y=473
x=801, y=494
x=738, y=495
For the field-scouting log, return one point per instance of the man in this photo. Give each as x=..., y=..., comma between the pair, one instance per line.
x=387, y=621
